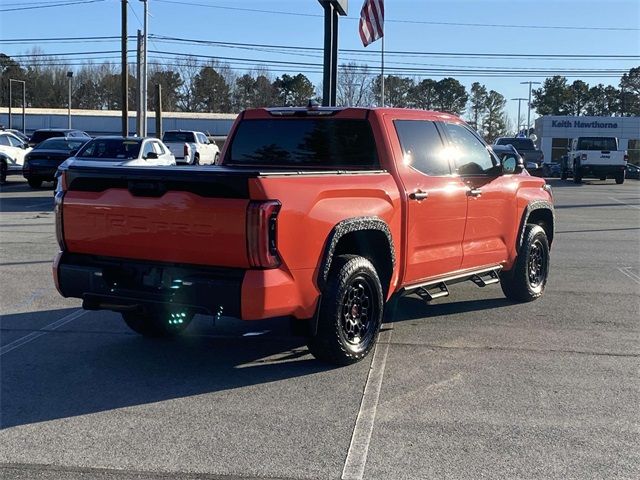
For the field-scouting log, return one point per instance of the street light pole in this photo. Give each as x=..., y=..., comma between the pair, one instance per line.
x=145, y=33
x=520, y=100
x=69, y=76
x=125, y=72
x=529, y=104
x=24, y=102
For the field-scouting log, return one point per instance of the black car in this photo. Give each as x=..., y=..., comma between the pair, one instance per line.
x=632, y=171
x=44, y=133
x=41, y=163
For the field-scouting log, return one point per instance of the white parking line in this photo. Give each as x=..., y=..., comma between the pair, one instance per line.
x=361, y=438
x=637, y=207
x=43, y=331
x=629, y=273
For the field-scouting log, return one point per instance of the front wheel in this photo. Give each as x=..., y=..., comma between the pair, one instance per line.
x=3, y=171
x=350, y=312
x=620, y=178
x=35, y=182
x=577, y=175
x=527, y=279
x=158, y=324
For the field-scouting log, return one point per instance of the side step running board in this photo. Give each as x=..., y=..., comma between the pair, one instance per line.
x=487, y=278
x=433, y=289
x=432, y=292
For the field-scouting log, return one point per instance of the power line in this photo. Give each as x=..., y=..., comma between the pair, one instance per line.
x=418, y=22
x=289, y=48
x=50, y=5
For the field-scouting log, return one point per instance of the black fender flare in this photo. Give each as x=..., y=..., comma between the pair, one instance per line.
x=341, y=229
x=531, y=207
x=345, y=227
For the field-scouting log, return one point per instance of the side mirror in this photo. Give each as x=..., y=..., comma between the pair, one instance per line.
x=24, y=146
x=511, y=165
x=151, y=156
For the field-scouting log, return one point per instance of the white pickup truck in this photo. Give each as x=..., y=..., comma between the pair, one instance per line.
x=192, y=148
x=596, y=157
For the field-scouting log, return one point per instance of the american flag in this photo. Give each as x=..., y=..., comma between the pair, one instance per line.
x=371, y=21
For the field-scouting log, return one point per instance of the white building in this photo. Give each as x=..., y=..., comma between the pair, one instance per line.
x=555, y=133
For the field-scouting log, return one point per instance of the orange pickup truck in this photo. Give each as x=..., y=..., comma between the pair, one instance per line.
x=323, y=215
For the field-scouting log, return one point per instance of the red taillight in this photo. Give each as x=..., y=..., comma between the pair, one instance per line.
x=185, y=152
x=61, y=187
x=626, y=157
x=261, y=234
x=583, y=156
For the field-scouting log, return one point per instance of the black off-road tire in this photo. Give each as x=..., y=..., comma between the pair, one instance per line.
x=157, y=325
x=350, y=314
x=602, y=179
x=196, y=160
x=620, y=178
x=3, y=172
x=35, y=182
x=527, y=279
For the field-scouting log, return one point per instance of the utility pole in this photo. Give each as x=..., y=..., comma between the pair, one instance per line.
x=125, y=73
x=139, y=85
x=145, y=82
x=69, y=76
x=24, y=102
x=159, y=111
x=520, y=100
x=332, y=9
x=529, y=104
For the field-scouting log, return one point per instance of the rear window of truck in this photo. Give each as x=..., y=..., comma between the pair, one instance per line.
x=519, y=144
x=318, y=143
x=178, y=137
x=597, y=143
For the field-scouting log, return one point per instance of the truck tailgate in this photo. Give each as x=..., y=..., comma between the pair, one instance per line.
x=179, y=215
x=604, y=157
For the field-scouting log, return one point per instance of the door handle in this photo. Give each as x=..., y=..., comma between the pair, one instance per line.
x=418, y=195
x=474, y=192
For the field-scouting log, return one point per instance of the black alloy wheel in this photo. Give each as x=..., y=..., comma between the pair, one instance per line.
x=527, y=278
x=358, y=309
x=350, y=312
x=538, y=264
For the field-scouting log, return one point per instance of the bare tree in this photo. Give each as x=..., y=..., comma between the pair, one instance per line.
x=354, y=85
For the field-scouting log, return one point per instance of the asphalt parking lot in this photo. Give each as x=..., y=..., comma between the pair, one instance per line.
x=471, y=386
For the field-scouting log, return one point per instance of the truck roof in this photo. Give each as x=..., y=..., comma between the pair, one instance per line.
x=352, y=112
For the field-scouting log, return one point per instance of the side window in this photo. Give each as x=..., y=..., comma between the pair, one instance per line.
x=148, y=148
x=422, y=146
x=14, y=141
x=201, y=138
x=470, y=155
x=4, y=140
x=157, y=147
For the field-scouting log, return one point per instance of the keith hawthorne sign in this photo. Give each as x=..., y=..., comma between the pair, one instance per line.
x=579, y=124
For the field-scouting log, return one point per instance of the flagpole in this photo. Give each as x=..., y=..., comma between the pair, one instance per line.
x=382, y=77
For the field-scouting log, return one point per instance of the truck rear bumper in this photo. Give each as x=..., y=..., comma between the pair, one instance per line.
x=601, y=170
x=122, y=285
x=130, y=285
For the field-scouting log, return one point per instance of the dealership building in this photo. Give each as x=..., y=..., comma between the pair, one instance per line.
x=555, y=133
